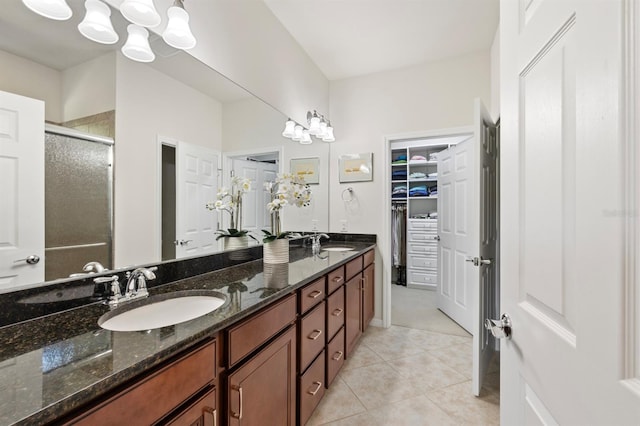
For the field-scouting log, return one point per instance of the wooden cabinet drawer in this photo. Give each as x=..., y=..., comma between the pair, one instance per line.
x=311, y=388
x=369, y=258
x=151, y=398
x=423, y=277
x=354, y=267
x=426, y=248
x=311, y=295
x=421, y=225
x=335, y=279
x=422, y=262
x=201, y=412
x=335, y=356
x=245, y=337
x=335, y=313
x=312, y=335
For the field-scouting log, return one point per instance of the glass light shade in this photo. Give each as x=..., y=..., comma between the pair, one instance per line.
x=96, y=25
x=314, y=125
x=329, y=136
x=137, y=46
x=323, y=129
x=52, y=9
x=297, y=133
x=306, y=138
x=289, y=129
x=178, y=34
x=140, y=12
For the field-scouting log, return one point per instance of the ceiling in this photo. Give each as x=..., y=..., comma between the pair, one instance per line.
x=347, y=38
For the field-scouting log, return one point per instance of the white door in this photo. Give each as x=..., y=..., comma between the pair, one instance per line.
x=567, y=267
x=255, y=216
x=21, y=190
x=196, y=184
x=458, y=231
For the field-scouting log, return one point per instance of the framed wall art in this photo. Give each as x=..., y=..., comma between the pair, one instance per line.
x=356, y=167
x=306, y=168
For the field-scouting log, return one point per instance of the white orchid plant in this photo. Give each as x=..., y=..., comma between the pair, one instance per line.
x=286, y=190
x=230, y=201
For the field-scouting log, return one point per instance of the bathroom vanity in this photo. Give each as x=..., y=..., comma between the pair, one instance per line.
x=268, y=353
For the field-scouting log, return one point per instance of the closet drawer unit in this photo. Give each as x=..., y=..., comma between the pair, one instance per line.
x=335, y=313
x=420, y=277
x=425, y=249
x=311, y=389
x=312, y=335
x=335, y=279
x=335, y=356
x=422, y=262
x=423, y=225
x=311, y=295
x=423, y=237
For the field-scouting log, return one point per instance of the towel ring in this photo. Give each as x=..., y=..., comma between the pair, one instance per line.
x=349, y=190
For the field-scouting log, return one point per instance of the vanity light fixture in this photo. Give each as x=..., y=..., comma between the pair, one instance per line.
x=297, y=133
x=319, y=126
x=96, y=25
x=306, y=138
x=178, y=34
x=314, y=123
x=137, y=46
x=140, y=12
x=289, y=128
x=58, y=10
x=328, y=135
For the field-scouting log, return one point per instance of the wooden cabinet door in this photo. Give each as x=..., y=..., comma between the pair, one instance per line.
x=263, y=389
x=353, y=312
x=201, y=413
x=368, y=290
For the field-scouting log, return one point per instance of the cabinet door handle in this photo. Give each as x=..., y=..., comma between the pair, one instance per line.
x=314, y=294
x=337, y=312
x=363, y=280
x=337, y=356
x=237, y=415
x=336, y=279
x=315, y=391
x=209, y=410
x=315, y=334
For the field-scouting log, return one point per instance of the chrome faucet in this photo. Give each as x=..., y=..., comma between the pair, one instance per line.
x=137, y=282
x=116, y=295
x=315, y=242
x=94, y=267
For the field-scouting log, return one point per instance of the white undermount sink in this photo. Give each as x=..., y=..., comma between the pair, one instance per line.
x=162, y=311
x=337, y=248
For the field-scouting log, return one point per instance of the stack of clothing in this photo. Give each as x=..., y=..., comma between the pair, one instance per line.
x=399, y=191
x=433, y=190
x=433, y=156
x=418, y=191
x=418, y=158
x=432, y=175
x=399, y=174
x=417, y=175
x=400, y=159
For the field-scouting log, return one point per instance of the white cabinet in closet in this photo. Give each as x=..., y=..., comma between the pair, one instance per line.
x=422, y=253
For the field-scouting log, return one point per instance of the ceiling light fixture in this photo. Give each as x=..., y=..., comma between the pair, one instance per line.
x=178, y=34
x=137, y=46
x=319, y=126
x=52, y=9
x=140, y=12
x=96, y=25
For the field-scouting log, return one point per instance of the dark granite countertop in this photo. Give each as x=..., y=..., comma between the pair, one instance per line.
x=50, y=366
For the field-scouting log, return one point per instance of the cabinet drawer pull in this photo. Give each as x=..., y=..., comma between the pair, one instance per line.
x=315, y=391
x=314, y=294
x=315, y=334
x=337, y=279
x=337, y=356
x=337, y=312
x=237, y=415
x=209, y=410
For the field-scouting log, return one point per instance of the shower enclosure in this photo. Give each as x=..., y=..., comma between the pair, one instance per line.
x=78, y=201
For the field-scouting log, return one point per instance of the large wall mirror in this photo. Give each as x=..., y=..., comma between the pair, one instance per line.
x=163, y=117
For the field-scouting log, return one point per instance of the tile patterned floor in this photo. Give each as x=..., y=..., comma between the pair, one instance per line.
x=409, y=376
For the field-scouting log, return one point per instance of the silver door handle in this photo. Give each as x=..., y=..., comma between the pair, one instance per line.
x=31, y=260
x=479, y=261
x=499, y=328
x=182, y=242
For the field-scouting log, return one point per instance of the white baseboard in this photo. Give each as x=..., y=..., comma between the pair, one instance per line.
x=376, y=322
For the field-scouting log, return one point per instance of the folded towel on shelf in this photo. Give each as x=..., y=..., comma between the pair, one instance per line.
x=418, y=158
x=399, y=162
x=402, y=157
x=417, y=175
x=399, y=174
x=433, y=175
x=400, y=188
x=418, y=191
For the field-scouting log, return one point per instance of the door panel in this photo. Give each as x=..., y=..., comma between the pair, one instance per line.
x=21, y=189
x=254, y=213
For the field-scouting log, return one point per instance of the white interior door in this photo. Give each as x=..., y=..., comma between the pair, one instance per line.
x=574, y=355
x=21, y=190
x=196, y=184
x=458, y=224
x=254, y=211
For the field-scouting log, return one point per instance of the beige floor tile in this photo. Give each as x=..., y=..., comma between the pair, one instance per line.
x=338, y=402
x=458, y=357
x=363, y=419
x=411, y=412
x=430, y=341
x=379, y=384
x=427, y=370
x=360, y=357
x=464, y=408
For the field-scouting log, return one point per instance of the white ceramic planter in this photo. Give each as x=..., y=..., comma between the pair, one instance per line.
x=277, y=251
x=232, y=243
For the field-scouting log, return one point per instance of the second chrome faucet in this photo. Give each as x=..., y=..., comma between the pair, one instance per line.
x=136, y=287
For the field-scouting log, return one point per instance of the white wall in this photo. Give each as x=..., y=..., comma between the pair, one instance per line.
x=27, y=78
x=89, y=88
x=495, y=76
x=148, y=104
x=365, y=109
